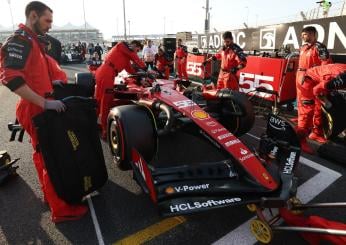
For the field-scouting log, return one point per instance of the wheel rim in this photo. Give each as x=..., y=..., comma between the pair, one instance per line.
x=261, y=231
x=114, y=140
x=328, y=123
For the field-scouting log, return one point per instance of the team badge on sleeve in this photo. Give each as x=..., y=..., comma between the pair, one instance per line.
x=16, y=52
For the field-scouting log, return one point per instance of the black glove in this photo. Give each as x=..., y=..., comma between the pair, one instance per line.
x=56, y=105
x=337, y=83
x=59, y=83
x=234, y=70
x=204, y=63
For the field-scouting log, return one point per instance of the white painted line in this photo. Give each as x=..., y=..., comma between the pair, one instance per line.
x=314, y=186
x=306, y=192
x=95, y=221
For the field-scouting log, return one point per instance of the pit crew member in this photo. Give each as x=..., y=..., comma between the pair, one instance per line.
x=25, y=71
x=318, y=81
x=181, y=59
x=162, y=63
x=118, y=59
x=312, y=53
x=232, y=59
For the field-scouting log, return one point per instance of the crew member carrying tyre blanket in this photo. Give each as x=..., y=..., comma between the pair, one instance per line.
x=118, y=59
x=27, y=71
x=232, y=59
x=312, y=53
x=318, y=82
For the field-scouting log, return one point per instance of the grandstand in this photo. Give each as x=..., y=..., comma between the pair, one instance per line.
x=66, y=34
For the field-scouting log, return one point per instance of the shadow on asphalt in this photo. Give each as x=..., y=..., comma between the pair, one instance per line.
x=121, y=212
x=19, y=204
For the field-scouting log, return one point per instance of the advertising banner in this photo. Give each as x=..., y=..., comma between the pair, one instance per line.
x=331, y=32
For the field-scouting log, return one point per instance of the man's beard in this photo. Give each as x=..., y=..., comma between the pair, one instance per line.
x=38, y=30
x=226, y=46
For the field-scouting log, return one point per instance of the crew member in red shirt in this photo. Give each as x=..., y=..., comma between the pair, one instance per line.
x=232, y=59
x=118, y=59
x=319, y=81
x=312, y=53
x=181, y=59
x=162, y=63
x=24, y=69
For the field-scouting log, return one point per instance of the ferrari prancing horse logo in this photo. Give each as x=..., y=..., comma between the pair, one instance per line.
x=243, y=152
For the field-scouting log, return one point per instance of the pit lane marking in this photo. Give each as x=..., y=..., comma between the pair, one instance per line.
x=306, y=192
x=152, y=231
x=95, y=221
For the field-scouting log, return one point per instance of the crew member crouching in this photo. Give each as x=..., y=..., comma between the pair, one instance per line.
x=318, y=82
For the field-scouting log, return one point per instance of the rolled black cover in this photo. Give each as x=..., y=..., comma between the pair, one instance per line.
x=71, y=149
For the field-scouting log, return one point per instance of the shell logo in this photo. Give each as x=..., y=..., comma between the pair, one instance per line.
x=200, y=114
x=169, y=190
x=265, y=176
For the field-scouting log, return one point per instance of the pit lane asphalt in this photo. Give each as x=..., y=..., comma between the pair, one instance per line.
x=121, y=208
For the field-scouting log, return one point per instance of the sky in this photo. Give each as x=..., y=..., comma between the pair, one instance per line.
x=161, y=16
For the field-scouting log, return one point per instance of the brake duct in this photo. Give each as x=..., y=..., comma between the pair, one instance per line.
x=157, y=105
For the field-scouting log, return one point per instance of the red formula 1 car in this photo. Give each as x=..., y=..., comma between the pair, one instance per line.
x=141, y=118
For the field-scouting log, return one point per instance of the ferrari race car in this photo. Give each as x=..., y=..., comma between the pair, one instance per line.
x=141, y=117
